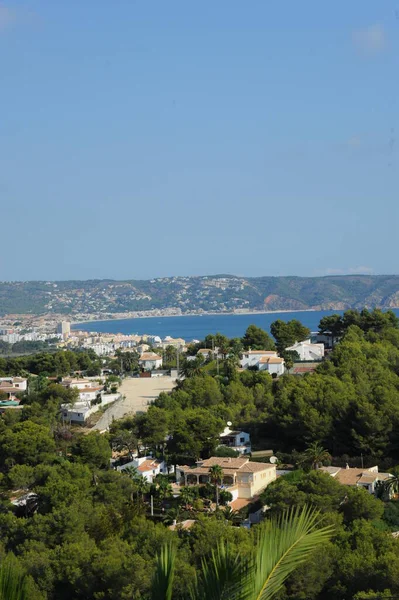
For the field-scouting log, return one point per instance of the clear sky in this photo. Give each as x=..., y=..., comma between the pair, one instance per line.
x=146, y=138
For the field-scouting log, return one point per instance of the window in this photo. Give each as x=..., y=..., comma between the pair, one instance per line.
x=242, y=440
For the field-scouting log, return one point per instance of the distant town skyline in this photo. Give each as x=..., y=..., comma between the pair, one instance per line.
x=147, y=140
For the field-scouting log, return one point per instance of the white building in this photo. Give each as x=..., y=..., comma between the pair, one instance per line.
x=154, y=340
x=251, y=358
x=89, y=390
x=206, y=353
x=101, y=349
x=272, y=364
x=149, y=361
x=64, y=328
x=80, y=411
x=12, y=386
x=264, y=360
x=20, y=383
x=240, y=441
x=307, y=351
x=147, y=466
x=177, y=343
x=142, y=348
x=366, y=478
x=11, y=338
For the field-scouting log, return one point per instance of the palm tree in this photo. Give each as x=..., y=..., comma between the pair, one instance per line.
x=192, y=368
x=231, y=515
x=391, y=486
x=282, y=545
x=216, y=477
x=315, y=455
x=164, y=489
x=231, y=363
x=12, y=580
x=186, y=496
x=139, y=481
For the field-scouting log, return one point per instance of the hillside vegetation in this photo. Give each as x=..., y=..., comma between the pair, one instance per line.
x=219, y=293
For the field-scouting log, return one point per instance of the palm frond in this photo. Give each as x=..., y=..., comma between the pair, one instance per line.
x=162, y=583
x=282, y=546
x=12, y=580
x=221, y=576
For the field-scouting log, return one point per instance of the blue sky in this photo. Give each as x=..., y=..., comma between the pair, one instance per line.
x=141, y=139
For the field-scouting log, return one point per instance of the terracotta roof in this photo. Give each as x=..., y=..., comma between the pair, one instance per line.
x=224, y=462
x=353, y=476
x=331, y=470
x=150, y=356
x=271, y=360
x=147, y=465
x=240, y=503
x=270, y=352
x=9, y=388
x=228, y=465
x=255, y=467
x=349, y=476
x=183, y=525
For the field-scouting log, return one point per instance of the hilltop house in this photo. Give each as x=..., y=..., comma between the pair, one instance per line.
x=367, y=478
x=264, y=360
x=242, y=478
x=149, y=361
x=12, y=386
x=81, y=410
x=91, y=399
x=239, y=441
x=147, y=466
x=307, y=351
x=88, y=390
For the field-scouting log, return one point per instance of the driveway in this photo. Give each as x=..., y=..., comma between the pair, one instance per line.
x=138, y=394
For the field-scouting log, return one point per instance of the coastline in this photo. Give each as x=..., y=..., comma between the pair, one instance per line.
x=204, y=314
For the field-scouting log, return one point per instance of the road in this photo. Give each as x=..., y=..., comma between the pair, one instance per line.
x=138, y=394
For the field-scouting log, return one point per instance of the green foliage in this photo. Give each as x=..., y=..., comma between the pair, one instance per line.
x=54, y=364
x=93, y=449
x=281, y=546
x=225, y=451
x=286, y=333
x=13, y=585
x=256, y=338
x=85, y=532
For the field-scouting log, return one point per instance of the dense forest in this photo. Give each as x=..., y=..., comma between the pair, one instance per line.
x=86, y=531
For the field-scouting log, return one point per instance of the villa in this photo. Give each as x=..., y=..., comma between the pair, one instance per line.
x=149, y=361
x=264, y=360
x=307, y=351
x=239, y=441
x=366, y=478
x=242, y=478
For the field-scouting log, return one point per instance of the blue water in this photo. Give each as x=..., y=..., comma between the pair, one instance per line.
x=198, y=327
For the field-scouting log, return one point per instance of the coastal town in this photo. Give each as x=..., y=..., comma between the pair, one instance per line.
x=199, y=300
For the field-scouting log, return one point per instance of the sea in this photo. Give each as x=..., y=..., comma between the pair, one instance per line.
x=197, y=327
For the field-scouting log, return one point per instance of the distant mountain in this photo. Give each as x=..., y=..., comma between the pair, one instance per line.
x=216, y=293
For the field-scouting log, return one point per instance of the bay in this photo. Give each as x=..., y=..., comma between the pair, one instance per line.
x=197, y=327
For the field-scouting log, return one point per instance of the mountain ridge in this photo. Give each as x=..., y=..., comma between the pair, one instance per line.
x=198, y=294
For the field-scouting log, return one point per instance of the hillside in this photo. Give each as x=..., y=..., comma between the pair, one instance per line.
x=219, y=293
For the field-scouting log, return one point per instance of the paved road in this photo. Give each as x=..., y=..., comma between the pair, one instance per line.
x=138, y=392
